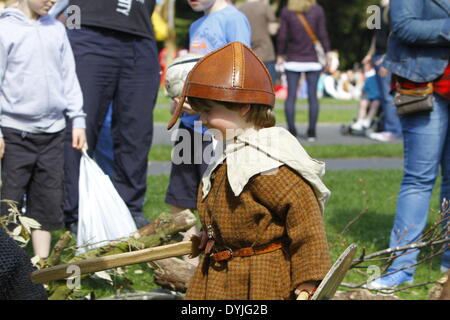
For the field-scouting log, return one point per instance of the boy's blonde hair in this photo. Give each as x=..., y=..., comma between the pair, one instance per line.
x=259, y=115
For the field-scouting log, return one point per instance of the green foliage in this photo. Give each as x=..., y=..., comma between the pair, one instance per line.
x=184, y=16
x=377, y=150
x=346, y=25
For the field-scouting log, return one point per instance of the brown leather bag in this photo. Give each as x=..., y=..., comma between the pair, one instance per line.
x=410, y=101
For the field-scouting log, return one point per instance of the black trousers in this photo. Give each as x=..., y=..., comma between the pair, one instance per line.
x=123, y=69
x=33, y=165
x=186, y=175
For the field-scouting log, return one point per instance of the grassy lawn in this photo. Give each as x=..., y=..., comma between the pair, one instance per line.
x=162, y=115
x=164, y=100
x=352, y=191
x=381, y=150
x=377, y=191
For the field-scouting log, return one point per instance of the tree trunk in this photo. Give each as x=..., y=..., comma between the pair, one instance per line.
x=173, y=273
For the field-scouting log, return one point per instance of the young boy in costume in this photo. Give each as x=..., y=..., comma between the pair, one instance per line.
x=221, y=23
x=261, y=200
x=38, y=86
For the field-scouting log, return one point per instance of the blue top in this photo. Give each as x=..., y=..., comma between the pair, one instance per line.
x=213, y=31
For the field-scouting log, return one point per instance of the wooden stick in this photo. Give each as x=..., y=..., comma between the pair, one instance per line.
x=118, y=260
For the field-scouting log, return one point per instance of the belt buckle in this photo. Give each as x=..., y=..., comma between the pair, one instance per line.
x=231, y=252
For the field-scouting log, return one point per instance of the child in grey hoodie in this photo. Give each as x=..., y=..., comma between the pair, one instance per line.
x=38, y=88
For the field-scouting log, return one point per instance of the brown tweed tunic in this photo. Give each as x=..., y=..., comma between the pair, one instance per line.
x=272, y=207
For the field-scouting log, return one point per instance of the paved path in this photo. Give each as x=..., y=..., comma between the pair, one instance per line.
x=328, y=134
x=157, y=168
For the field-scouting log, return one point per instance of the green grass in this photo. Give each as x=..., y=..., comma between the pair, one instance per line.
x=162, y=115
x=372, y=230
x=352, y=191
x=378, y=150
x=164, y=100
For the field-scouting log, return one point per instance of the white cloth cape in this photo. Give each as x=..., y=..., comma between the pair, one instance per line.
x=262, y=152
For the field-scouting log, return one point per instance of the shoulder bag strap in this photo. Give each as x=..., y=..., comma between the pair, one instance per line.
x=305, y=23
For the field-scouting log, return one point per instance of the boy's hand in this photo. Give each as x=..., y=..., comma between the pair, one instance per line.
x=79, y=139
x=2, y=147
x=308, y=286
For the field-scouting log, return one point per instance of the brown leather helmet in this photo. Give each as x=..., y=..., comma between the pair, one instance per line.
x=232, y=73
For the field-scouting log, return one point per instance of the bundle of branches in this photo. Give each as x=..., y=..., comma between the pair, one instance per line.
x=163, y=230
x=436, y=239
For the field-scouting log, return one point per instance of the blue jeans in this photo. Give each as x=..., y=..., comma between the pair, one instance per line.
x=426, y=147
x=390, y=118
x=270, y=65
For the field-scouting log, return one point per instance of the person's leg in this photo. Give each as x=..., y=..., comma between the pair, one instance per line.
x=104, y=154
x=390, y=118
x=185, y=174
x=445, y=184
x=289, y=105
x=359, y=125
x=17, y=165
x=45, y=192
x=312, y=78
x=424, y=138
x=270, y=65
x=97, y=69
x=373, y=109
x=185, y=178
x=363, y=106
x=132, y=125
x=41, y=240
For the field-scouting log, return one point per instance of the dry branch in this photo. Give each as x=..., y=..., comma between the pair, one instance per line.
x=437, y=235
x=173, y=274
x=62, y=243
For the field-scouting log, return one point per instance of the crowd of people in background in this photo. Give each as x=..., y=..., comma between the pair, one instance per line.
x=302, y=76
x=109, y=69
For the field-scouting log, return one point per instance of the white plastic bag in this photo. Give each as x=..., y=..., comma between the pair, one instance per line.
x=102, y=214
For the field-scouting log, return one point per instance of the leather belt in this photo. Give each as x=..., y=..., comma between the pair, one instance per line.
x=245, y=252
